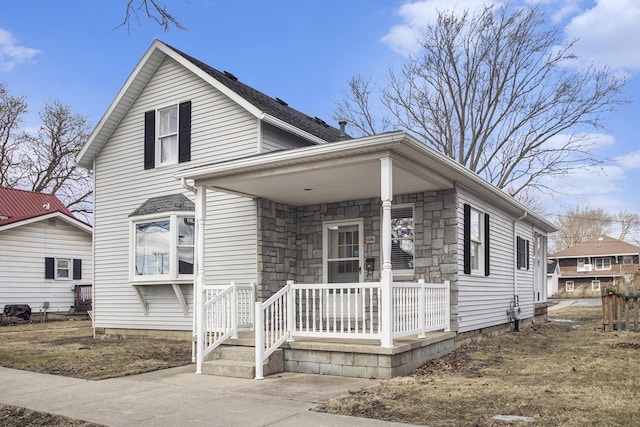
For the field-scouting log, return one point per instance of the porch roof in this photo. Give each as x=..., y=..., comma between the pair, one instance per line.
x=349, y=170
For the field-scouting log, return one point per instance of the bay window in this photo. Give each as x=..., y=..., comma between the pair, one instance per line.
x=163, y=248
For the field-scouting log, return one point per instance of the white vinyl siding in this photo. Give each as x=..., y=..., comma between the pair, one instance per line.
x=484, y=300
x=23, y=250
x=274, y=139
x=220, y=130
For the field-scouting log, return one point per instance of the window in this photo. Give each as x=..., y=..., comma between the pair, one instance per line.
x=402, y=237
x=603, y=263
x=522, y=253
x=167, y=135
x=62, y=268
x=167, y=144
x=627, y=260
x=595, y=285
x=163, y=248
x=580, y=265
x=568, y=286
x=476, y=241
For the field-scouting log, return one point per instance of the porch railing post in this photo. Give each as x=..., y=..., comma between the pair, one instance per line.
x=259, y=340
x=234, y=310
x=447, y=306
x=291, y=321
x=422, y=308
x=386, y=195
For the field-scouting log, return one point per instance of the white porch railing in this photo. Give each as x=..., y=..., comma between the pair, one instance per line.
x=351, y=310
x=226, y=308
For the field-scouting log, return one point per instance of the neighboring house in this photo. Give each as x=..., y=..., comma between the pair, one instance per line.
x=201, y=180
x=596, y=264
x=45, y=253
x=553, y=272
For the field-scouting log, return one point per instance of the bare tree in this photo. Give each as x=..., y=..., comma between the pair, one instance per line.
x=48, y=160
x=12, y=109
x=492, y=90
x=629, y=223
x=579, y=224
x=152, y=10
x=45, y=161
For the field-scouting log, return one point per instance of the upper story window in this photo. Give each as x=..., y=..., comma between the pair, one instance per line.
x=602, y=263
x=402, y=238
x=167, y=135
x=627, y=260
x=167, y=142
x=581, y=264
x=476, y=241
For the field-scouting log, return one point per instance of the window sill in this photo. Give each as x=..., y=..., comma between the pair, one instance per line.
x=156, y=281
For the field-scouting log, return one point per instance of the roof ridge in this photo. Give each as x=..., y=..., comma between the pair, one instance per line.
x=273, y=106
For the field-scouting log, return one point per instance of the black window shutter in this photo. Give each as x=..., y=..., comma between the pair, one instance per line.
x=49, y=266
x=487, y=251
x=149, y=139
x=526, y=242
x=77, y=269
x=467, y=239
x=184, y=132
x=518, y=252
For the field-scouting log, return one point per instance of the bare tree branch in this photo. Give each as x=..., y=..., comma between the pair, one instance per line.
x=153, y=11
x=493, y=91
x=579, y=224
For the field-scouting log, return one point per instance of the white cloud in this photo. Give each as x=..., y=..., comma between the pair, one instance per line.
x=589, y=181
x=416, y=16
x=11, y=54
x=629, y=161
x=608, y=34
x=590, y=141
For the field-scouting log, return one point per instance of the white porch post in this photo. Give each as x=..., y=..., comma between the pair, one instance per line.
x=201, y=214
x=386, y=195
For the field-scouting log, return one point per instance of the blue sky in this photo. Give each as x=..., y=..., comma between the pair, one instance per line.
x=303, y=52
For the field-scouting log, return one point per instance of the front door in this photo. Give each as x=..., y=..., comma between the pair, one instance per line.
x=343, y=255
x=343, y=260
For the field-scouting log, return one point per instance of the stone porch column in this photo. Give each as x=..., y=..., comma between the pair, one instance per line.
x=386, y=275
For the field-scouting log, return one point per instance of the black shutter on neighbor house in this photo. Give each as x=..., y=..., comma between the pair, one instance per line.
x=184, y=132
x=487, y=250
x=467, y=239
x=49, y=267
x=77, y=269
x=149, y=139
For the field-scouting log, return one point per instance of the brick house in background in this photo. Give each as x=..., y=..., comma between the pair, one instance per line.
x=596, y=264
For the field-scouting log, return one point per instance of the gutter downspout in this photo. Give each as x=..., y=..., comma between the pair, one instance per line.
x=194, y=190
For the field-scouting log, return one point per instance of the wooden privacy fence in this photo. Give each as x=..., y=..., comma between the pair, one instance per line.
x=620, y=309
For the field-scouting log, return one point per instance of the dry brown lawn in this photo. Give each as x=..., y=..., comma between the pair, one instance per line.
x=562, y=373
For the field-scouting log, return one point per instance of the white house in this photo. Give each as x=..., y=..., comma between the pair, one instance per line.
x=45, y=254
x=201, y=181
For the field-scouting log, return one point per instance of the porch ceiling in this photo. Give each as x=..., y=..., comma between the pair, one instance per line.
x=325, y=179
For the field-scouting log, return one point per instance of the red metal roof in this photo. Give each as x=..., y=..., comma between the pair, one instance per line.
x=19, y=205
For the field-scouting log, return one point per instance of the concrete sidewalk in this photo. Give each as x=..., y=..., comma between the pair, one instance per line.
x=179, y=397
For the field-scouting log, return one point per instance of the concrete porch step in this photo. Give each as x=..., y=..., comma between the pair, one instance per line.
x=239, y=362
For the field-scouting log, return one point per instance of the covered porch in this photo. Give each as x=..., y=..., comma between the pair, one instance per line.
x=325, y=242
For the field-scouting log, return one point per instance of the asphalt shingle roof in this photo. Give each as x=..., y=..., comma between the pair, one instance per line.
x=598, y=246
x=19, y=205
x=272, y=106
x=170, y=203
